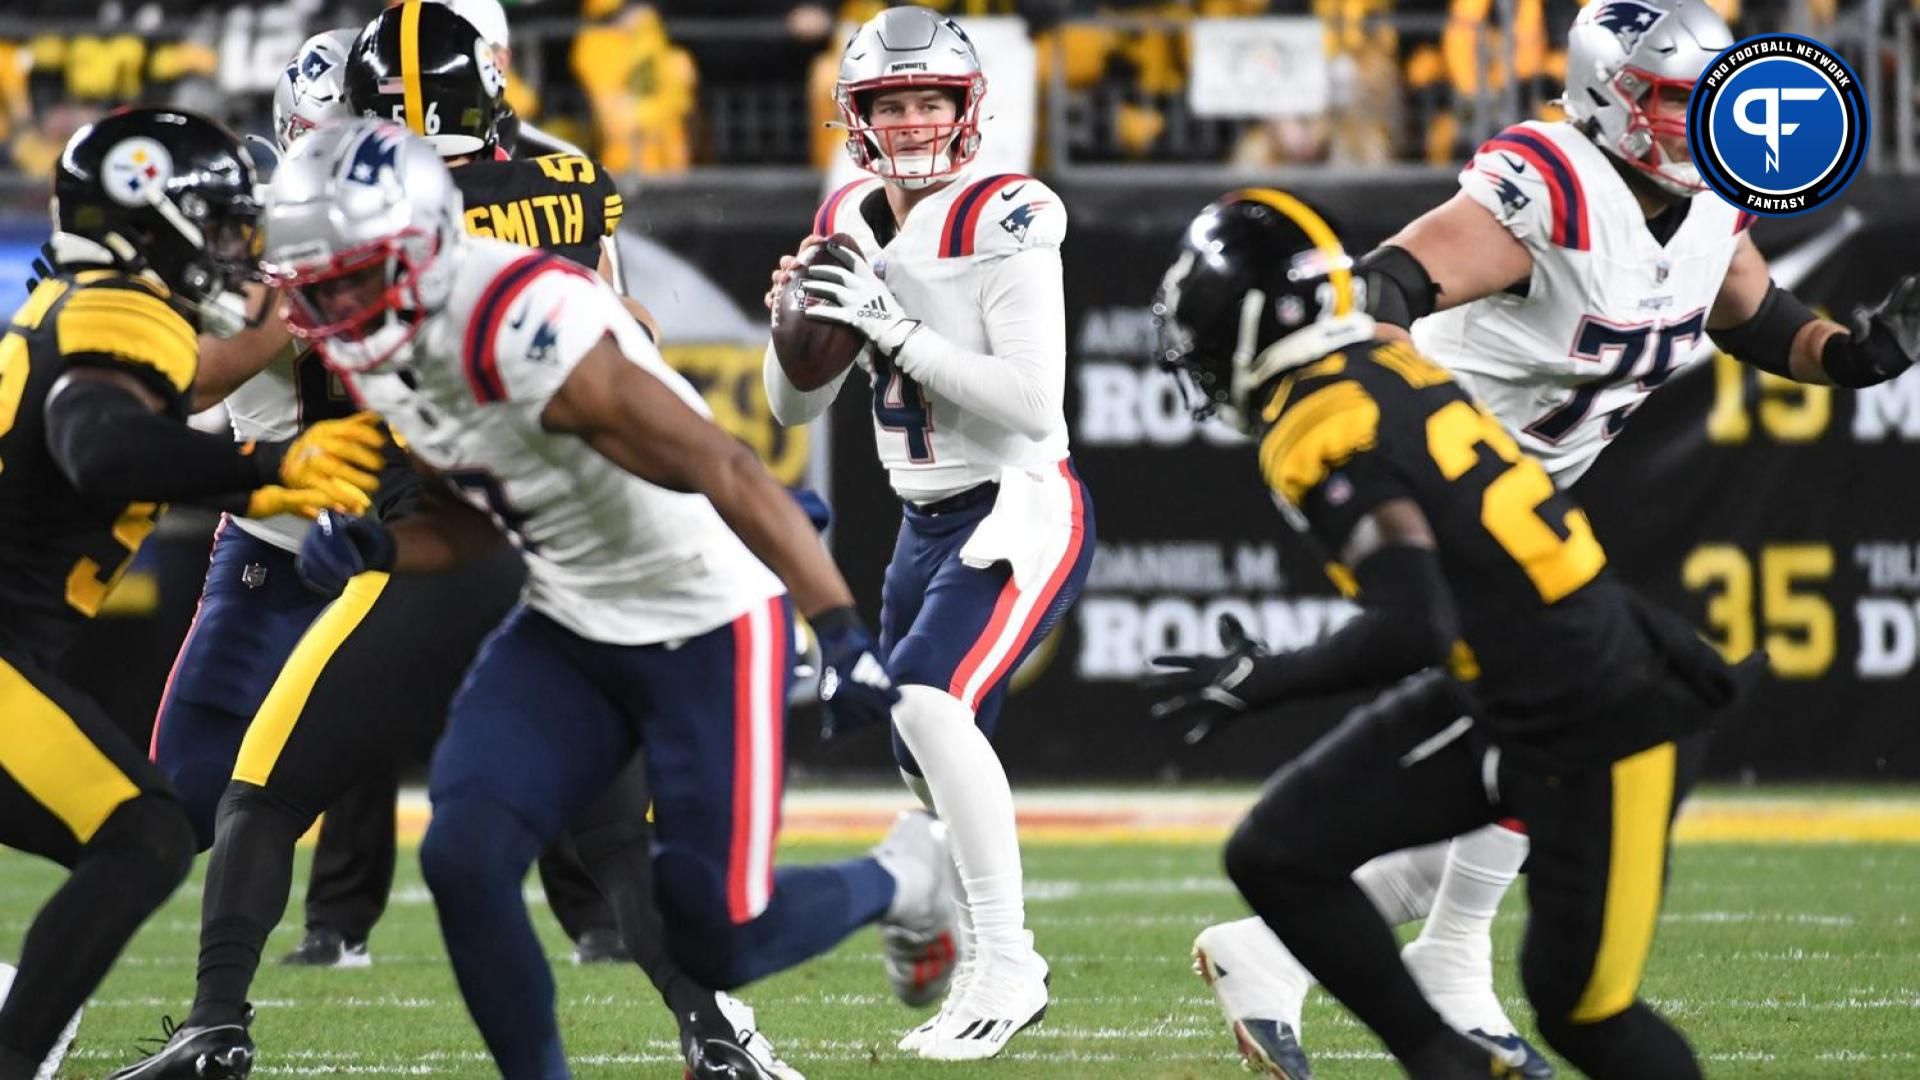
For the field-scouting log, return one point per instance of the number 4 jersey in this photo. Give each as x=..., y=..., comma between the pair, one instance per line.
x=1608, y=314
x=979, y=263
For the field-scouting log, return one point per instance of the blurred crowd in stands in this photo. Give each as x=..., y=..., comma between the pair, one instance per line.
x=662, y=86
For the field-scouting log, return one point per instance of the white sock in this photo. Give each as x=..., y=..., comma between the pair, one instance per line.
x=1480, y=867
x=970, y=792
x=1402, y=884
x=963, y=911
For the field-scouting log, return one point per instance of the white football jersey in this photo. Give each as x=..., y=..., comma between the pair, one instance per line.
x=941, y=265
x=1609, y=313
x=292, y=391
x=609, y=556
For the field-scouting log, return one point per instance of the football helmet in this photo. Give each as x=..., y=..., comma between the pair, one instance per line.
x=903, y=48
x=422, y=65
x=1261, y=285
x=349, y=200
x=1620, y=54
x=164, y=192
x=311, y=91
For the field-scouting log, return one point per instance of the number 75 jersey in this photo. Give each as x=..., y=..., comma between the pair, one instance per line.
x=1608, y=315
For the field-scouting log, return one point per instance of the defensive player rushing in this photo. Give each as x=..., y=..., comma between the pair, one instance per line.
x=154, y=232
x=967, y=354
x=1575, y=272
x=1587, y=705
x=647, y=620
x=270, y=659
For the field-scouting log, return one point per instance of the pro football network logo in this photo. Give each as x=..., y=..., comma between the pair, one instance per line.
x=1778, y=124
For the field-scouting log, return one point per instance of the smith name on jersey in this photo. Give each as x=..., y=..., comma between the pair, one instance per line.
x=1609, y=313
x=609, y=556
x=562, y=203
x=61, y=551
x=964, y=258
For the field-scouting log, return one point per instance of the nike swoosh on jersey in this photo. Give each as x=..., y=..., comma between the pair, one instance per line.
x=1012, y=191
x=1518, y=164
x=521, y=321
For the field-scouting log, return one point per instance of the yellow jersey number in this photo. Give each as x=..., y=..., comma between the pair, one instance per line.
x=1510, y=507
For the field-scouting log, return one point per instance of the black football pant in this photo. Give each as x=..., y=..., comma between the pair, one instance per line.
x=76, y=790
x=1403, y=771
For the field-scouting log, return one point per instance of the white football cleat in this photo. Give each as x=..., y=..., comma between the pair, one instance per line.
x=921, y=949
x=740, y=1017
x=913, y=1040
x=1456, y=975
x=1261, y=989
x=60, y=1047
x=1003, y=996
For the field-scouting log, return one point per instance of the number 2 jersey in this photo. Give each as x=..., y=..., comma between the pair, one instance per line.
x=563, y=203
x=1608, y=314
x=1546, y=630
x=978, y=262
x=61, y=550
x=609, y=556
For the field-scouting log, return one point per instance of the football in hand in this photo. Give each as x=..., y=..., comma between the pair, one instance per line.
x=812, y=352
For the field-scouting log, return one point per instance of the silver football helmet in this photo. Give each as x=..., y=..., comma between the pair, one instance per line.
x=1620, y=55
x=363, y=230
x=311, y=91
x=901, y=48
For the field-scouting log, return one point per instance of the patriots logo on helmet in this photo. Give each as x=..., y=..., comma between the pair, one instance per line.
x=375, y=160
x=1629, y=20
x=313, y=65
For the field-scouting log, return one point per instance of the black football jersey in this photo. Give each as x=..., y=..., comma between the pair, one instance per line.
x=563, y=203
x=1538, y=612
x=61, y=551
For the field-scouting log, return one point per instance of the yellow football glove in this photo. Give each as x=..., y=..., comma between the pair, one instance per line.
x=341, y=457
x=307, y=502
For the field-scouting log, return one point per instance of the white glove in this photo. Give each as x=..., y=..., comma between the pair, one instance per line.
x=857, y=298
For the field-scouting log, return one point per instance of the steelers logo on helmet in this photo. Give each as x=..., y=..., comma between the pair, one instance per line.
x=135, y=170
x=1778, y=124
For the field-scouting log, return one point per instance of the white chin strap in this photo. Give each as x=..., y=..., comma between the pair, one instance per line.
x=917, y=171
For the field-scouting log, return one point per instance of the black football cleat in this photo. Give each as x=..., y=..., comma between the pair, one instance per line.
x=721, y=1059
x=601, y=945
x=212, y=1052
x=325, y=947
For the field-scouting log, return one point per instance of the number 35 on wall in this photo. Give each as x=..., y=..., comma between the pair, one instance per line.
x=1791, y=616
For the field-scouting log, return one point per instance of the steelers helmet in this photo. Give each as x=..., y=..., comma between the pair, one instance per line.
x=1260, y=285
x=166, y=192
x=423, y=66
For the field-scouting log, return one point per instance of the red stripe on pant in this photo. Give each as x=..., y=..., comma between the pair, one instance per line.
x=166, y=691
x=1009, y=597
x=753, y=688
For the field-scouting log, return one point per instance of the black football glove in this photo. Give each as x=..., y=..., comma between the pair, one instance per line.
x=1201, y=689
x=855, y=688
x=1885, y=339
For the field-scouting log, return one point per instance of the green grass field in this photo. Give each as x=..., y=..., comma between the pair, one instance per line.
x=1780, y=961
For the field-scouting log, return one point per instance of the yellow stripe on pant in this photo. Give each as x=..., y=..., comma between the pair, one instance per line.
x=1636, y=873
x=47, y=754
x=273, y=725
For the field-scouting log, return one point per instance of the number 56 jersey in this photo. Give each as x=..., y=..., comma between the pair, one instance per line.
x=1609, y=313
x=609, y=556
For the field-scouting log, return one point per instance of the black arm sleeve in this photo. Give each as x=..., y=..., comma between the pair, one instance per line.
x=109, y=444
x=1399, y=289
x=1766, y=340
x=1406, y=623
